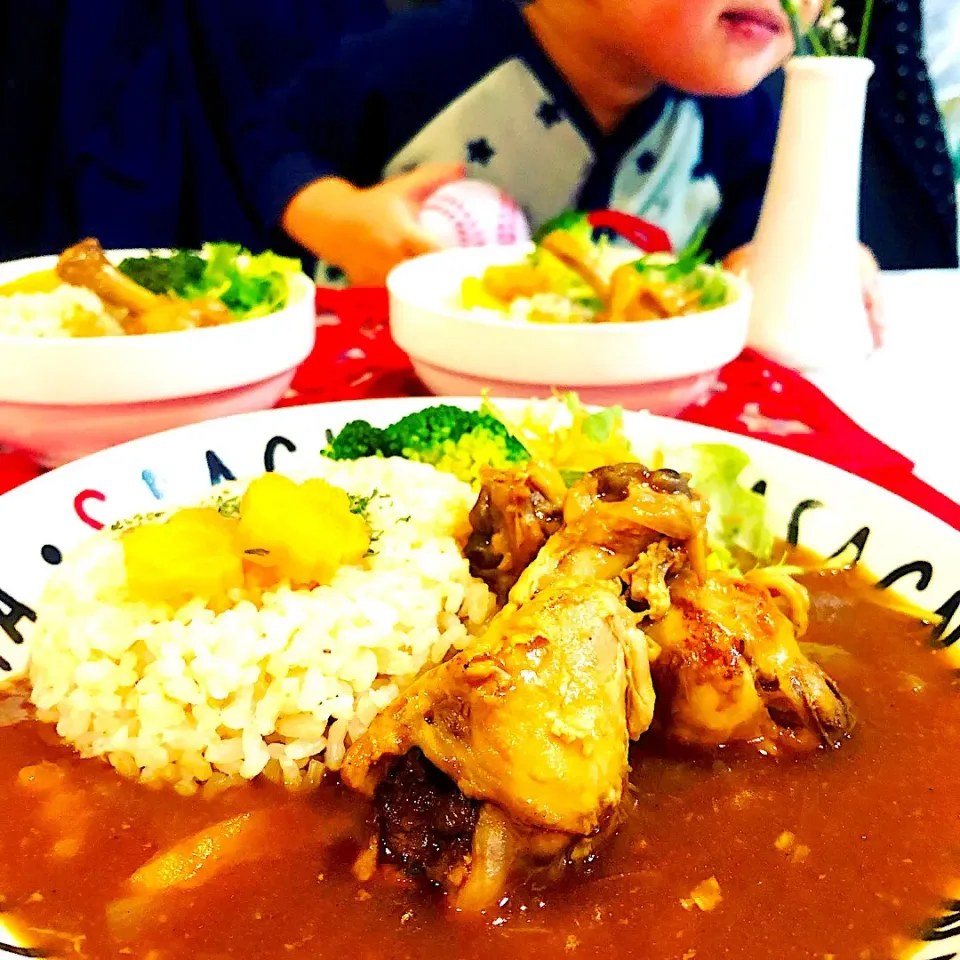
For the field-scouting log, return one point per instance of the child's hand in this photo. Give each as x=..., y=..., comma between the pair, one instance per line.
x=739, y=262
x=367, y=232
x=872, y=300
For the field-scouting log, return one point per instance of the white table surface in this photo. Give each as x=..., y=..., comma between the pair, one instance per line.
x=908, y=393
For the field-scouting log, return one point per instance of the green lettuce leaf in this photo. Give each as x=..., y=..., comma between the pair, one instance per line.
x=737, y=522
x=250, y=286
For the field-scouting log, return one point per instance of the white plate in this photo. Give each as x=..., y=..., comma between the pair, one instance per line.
x=810, y=502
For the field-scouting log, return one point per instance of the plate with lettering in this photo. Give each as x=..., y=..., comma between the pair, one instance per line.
x=247, y=688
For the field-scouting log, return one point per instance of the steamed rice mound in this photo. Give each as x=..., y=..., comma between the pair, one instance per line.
x=188, y=697
x=66, y=311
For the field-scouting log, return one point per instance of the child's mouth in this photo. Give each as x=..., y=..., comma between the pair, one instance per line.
x=755, y=26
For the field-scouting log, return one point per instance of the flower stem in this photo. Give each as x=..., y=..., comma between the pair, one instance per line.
x=818, y=48
x=865, y=28
x=797, y=35
x=793, y=15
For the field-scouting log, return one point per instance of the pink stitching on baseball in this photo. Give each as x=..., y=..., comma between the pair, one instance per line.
x=508, y=221
x=466, y=227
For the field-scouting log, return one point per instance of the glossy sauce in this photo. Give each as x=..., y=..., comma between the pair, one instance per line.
x=838, y=855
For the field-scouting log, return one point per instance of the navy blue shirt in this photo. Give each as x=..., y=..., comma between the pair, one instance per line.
x=468, y=82
x=116, y=116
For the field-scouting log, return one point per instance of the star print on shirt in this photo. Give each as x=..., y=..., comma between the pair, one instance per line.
x=480, y=151
x=549, y=114
x=646, y=161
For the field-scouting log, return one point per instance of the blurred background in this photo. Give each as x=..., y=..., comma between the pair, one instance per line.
x=115, y=117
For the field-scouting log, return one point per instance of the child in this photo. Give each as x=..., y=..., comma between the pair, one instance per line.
x=646, y=106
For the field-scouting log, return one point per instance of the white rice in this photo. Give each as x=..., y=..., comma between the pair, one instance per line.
x=556, y=306
x=188, y=697
x=65, y=312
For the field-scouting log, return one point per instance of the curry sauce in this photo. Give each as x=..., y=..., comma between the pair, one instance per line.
x=842, y=854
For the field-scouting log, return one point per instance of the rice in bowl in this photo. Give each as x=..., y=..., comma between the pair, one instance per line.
x=188, y=697
x=67, y=311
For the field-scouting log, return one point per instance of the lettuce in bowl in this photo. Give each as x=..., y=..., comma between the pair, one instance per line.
x=249, y=285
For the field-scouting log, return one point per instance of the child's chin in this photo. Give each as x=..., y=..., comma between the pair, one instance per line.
x=730, y=82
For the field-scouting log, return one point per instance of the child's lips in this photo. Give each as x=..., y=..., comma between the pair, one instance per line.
x=755, y=26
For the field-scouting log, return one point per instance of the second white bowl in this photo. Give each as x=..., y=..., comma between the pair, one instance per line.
x=660, y=365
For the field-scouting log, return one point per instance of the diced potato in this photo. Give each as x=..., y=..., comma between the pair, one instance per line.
x=508, y=283
x=473, y=293
x=785, y=842
x=193, y=554
x=705, y=896
x=303, y=532
x=43, y=777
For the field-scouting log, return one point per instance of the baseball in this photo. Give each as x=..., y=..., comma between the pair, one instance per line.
x=471, y=213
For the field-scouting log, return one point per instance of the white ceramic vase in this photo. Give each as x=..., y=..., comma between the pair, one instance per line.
x=808, y=311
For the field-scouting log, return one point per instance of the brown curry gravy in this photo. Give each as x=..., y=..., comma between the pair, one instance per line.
x=874, y=843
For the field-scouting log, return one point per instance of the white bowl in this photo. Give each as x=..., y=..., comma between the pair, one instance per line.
x=64, y=398
x=660, y=365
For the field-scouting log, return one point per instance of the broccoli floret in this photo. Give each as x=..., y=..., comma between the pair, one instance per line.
x=427, y=429
x=174, y=274
x=357, y=439
x=455, y=441
x=572, y=221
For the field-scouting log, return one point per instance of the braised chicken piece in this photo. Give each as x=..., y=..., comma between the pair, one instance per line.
x=730, y=669
x=726, y=662
x=511, y=758
x=137, y=309
x=516, y=512
x=610, y=517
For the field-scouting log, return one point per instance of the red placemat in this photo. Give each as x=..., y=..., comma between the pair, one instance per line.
x=355, y=358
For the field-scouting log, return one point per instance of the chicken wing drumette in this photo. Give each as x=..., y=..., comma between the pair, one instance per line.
x=526, y=736
x=515, y=514
x=727, y=664
x=730, y=668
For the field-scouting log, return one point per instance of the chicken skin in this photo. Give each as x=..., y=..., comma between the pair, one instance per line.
x=729, y=668
x=516, y=512
x=510, y=760
x=532, y=723
x=610, y=517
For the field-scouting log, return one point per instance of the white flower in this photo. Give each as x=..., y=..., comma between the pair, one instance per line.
x=832, y=17
x=839, y=33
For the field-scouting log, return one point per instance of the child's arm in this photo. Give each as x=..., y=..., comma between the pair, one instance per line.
x=366, y=232
x=313, y=152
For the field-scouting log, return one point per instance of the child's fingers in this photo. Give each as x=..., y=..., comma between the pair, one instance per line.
x=417, y=242
x=869, y=268
x=738, y=261
x=417, y=185
x=872, y=298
